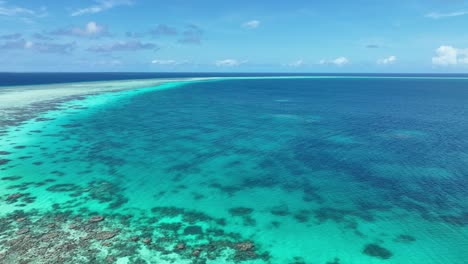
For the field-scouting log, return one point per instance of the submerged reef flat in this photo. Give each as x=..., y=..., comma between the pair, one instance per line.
x=240, y=171
x=136, y=237
x=20, y=103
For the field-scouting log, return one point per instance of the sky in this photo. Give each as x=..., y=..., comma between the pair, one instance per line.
x=399, y=36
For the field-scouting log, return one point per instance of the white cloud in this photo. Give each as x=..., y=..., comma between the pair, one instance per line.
x=133, y=45
x=22, y=12
x=41, y=47
x=99, y=63
x=389, y=60
x=448, y=55
x=340, y=61
x=229, y=63
x=298, y=63
x=168, y=62
x=436, y=15
x=100, y=6
x=91, y=29
x=251, y=24
x=28, y=44
x=112, y=62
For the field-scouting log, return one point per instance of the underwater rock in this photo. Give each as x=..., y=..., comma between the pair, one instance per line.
x=193, y=230
x=96, y=219
x=22, y=231
x=105, y=235
x=377, y=251
x=245, y=246
x=5, y=153
x=14, y=196
x=180, y=246
x=49, y=236
x=196, y=252
x=74, y=227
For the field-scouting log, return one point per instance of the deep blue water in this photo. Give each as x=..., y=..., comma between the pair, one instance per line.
x=13, y=78
x=330, y=170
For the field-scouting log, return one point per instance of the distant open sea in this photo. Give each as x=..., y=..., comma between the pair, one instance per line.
x=315, y=169
x=13, y=78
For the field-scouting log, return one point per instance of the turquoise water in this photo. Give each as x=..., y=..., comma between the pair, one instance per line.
x=320, y=170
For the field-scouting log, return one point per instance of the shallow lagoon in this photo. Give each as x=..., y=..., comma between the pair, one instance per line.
x=319, y=170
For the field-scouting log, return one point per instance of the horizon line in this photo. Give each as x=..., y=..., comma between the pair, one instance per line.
x=233, y=72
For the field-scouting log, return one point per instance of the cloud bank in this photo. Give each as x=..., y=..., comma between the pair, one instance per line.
x=168, y=62
x=91, y=29
x=389, y=60
x=436, y=15
x=123, y=46
x=340, y=61
x=41, y=47
x=17, y=11
x=229, y=63
x=448, y=55
x=251, y=24
x=101, y=5
x=191, y=35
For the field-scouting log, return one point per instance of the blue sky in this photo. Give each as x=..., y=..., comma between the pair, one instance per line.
x=234, y=36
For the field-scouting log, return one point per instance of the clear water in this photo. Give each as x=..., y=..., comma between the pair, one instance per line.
x=323, y=170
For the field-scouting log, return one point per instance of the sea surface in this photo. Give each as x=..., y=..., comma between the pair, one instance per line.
x=316, y=170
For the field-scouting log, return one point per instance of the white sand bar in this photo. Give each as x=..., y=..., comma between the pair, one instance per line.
x=20, y=103
x=23, y=96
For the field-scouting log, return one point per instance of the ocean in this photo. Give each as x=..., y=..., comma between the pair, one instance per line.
x=316, y=169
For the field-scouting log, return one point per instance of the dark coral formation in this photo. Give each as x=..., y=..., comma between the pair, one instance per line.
x=334, y=261
x=240, y=211
x=404, y=238
x=107, y=192
x=4, y=161
x=20, y=199
x=377, y=251
x=281, y=210
x=65, y=187
x=87, y=237
x=11, y=178
x=245, y=214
